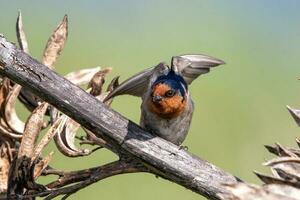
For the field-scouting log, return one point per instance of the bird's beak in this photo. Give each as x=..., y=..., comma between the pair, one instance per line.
x=156, y=98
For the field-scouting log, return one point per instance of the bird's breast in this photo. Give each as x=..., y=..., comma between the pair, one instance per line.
x=168, y=108
x=173, y=129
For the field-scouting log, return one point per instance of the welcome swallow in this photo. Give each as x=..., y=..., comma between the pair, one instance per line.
x=167, y=106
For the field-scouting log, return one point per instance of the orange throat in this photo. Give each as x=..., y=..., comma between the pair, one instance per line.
x=168, y=108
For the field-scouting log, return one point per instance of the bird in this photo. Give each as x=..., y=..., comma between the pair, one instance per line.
x=167, y=106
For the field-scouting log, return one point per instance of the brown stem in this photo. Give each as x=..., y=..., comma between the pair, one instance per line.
x=83, y=178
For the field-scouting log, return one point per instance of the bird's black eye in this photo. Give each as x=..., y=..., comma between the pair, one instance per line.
x=170, y=93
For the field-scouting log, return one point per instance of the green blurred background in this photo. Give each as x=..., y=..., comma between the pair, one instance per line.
x=239, y=106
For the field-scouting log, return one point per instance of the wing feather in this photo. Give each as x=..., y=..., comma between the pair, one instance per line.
x=192, y=66
x=189, y=66
x=137, y=84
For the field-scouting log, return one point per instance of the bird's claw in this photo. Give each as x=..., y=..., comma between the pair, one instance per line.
x=183, y=148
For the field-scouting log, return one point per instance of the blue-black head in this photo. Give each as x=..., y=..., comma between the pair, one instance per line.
x=174, y=81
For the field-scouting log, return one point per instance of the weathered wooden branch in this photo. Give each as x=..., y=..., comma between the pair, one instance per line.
x=159, y=156
x=22, y=163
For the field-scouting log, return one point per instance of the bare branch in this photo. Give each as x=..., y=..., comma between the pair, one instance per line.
x=159, y=156
x=92, y=175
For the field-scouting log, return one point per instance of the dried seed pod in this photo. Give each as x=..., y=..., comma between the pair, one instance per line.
x=5, y=163
x=284, y=190
x=283, y=151
x=8, y=134
x=287, y=173
x=4, y=90
x=41, y=165
x=269, y=179
x=82, y=76
x=96, y=83
x=113, y=84
x=279, y=160
x=5, y=130
x=46, y=139
x=65, y=138
x=21, y=34
x=22, y=169
x=56, y=43
x=32, y=129
x=10, y=113
x=242, y=191
x=295, y=114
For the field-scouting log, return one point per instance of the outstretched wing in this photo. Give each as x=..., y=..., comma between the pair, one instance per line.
x=189, y=66
x=137, y=84
x=192, y=66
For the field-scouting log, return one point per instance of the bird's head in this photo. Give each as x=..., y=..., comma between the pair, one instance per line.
x=168, y=95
